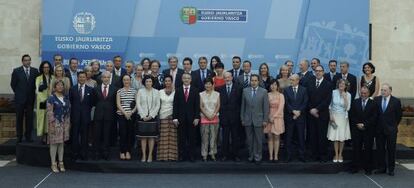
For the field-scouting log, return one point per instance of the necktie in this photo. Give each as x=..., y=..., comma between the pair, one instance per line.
x=295, y=91
x=186, y=94
x=80, y=93
x=27, y=73
x=203, y=75
x=228, y=91
x=105, y=92
x=246, y=80
x=364, y=104
x=317, y=84
x=332, y=75
x=254, y=93
x=384, y=104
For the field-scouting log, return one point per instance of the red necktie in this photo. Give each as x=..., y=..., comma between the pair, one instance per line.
x=186, y=94
x=105, y=93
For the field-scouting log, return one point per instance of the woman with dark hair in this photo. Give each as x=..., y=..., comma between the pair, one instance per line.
x=96, y=70
x=157, y=77
x=213, y=62
x=209, y=109
x=283, y=80
x=146, y=65
x=167, y=145
x=148, y=105
x=276, y=125
x=42, y=93
x=124, y=98
x=265, y=76
x=218, y=79
x=58, y=115
x=338, y=130
x=369, y=79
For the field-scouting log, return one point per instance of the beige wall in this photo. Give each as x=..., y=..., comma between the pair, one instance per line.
x=392, y=50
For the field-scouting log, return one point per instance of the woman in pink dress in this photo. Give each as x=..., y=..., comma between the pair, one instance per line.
x=276, y=125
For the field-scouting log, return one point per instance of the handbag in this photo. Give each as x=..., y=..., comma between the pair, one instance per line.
x=205, y=120
x=42, y=105
x=146, y=128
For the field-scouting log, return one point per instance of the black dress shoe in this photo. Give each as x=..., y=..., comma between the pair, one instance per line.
x=29, y=140
x=302, y=159
x=380, y=171
x=237, y=159
x=258, y=162
x=224, y=159
x=391, y=173
x=353, y=171
x=19, y=140
x=368, y=173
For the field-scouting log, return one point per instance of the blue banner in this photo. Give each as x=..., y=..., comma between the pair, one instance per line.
x=271, y=31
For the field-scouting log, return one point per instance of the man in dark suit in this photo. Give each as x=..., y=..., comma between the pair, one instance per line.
x=332, y=72
x=230, y=98
x=254, y=115
x=105, y=95
x=244, y=80
x=81, y=99
x=23, y=85
x=296, y=100
x=186, y=114
x=72, y=73
x=320, y=95
x=174, y=71
x=347, y=76
x=305, y=75
x=118, y=70
x=58, y=60
x=201, y=74
x=363, y=118
x=389, y=117
x=236, y=71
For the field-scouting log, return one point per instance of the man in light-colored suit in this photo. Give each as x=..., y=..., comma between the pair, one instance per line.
x=254, y=115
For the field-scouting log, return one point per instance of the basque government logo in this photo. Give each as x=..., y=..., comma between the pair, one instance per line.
x=189, y=15
x=84, y=22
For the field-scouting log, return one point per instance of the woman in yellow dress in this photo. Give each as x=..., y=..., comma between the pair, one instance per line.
x=42, y=93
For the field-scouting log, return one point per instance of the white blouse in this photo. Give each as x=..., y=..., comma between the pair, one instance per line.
x=148, y=102
x=166, y=104
x=338, y=103
x=209, y=101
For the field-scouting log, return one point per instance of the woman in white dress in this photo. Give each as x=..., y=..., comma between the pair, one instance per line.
x=338, y=130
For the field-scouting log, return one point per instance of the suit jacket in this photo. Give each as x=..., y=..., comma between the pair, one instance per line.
x=320, y=98
x=305, y=79
x=254, y=110
x=23, y=88
x=197, y=80
x=68, y=74
x=389, y=120
x=105, y=107
x=241, y=78
x=352, y=83
x=123, y=72
x=81, y=109
x=241, y=72
x=178, y=76
x=186, y=110
x=299, y=102
x=327, y=76
x=230, y=104
x=366, y=116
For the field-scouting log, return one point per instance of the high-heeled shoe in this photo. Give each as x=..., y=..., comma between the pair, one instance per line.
x=335, y=159
x=149, y=160
x=128, y=156
x=122, y=156
x=54, y=168
x=62, y=167
x=341, y=160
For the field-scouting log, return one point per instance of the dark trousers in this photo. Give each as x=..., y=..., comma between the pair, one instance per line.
x=318, y=136
x=126, y=134
x=362, y=142
x=24, y=111
x=101, y=134
x=386, y=141
x=230, y=137
x=187, y=139
x=295, y=128
x=80, y=135
x=114, y=131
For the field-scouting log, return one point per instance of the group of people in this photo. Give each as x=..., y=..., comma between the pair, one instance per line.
x=171, y=111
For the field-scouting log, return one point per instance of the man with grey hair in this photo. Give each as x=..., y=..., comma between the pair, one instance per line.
x=304, y=75
x=129, y=67
x=105, y=95
x=174, y=71
x=344, y=66
x=230, y=99
x=389, y=117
